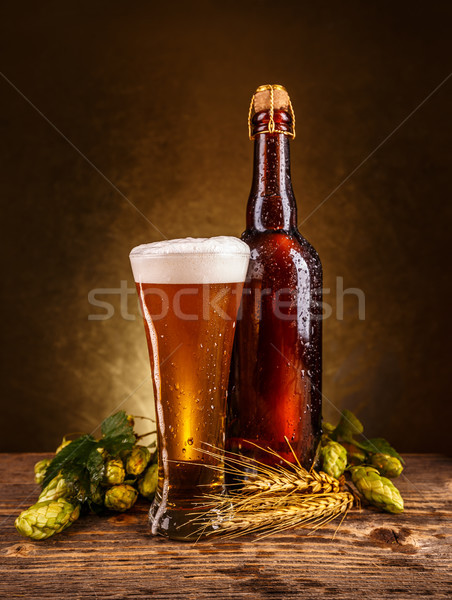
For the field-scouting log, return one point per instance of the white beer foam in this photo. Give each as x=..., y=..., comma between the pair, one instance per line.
x=222, y=259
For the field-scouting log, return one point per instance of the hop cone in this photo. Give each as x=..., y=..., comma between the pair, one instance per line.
x=328, y=428
x=114, y=472
x=120, y=497
x=44, y=519
x=138, y=460
x=57, y=488
x=148, y=484
x=334, y=459
x=377, y=490
x=389, y=466
x=40, y=469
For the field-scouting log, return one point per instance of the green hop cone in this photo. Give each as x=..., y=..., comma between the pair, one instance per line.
x=377, y=490
x=138, y=460
x=148, y=484
x=40, y=469
x=114, y=472
x=120, y=497
x=389, y=466
x=327, y=428
x=334, y=459
x=43, y=519
x=57, y=488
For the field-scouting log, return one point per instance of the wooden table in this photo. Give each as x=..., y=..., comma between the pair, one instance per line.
x=373, y=555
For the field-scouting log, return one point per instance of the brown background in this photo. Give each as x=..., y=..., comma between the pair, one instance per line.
x=156, y=96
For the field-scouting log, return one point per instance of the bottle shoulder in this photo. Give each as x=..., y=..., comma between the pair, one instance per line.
x=273, y=243
x=281, y=258
x=308, y=247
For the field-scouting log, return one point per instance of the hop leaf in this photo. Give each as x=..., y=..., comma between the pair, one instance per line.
x=334, y=459
x=64, y=442
x=44, y=519
x=120, y=497
x=355, y=455
x=96, y=497
x=82, y=460
x=117, y=433
x=71, y=461
x=377, y=490
x=348, y=426
x=95, y=466
x=380, y=445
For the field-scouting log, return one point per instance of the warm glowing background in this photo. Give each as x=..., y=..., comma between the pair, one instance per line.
x=156, y=95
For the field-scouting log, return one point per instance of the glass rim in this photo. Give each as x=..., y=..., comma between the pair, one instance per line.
x=178, y=254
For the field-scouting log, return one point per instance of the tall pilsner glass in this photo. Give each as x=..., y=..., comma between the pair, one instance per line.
x=190, y=291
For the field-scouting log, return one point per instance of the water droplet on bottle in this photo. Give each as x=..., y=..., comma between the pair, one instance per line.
x=190, y=441
x=183, y=450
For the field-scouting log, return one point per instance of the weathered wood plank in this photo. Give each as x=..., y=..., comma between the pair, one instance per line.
x=373, y=555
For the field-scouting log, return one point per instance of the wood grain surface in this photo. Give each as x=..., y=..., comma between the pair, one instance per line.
x=373, y=555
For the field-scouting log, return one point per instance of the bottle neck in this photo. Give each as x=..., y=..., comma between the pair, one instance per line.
x=271, y=204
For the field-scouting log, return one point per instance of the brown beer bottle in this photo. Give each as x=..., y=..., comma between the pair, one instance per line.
x=276, y=369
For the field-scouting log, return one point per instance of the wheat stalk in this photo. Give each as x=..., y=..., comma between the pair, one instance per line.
x=272, y=479
x=312, y=511
x=272, y=498
x=284, y=481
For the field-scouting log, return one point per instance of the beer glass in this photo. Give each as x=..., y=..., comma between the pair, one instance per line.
x=190, y=291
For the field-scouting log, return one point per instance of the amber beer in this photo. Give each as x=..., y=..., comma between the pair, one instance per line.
x=190, y=292
x=276, y=370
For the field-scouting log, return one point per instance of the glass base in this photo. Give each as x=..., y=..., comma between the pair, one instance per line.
x=188, y=524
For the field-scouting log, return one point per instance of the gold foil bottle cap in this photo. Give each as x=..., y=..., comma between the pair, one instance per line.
x=268, y=99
